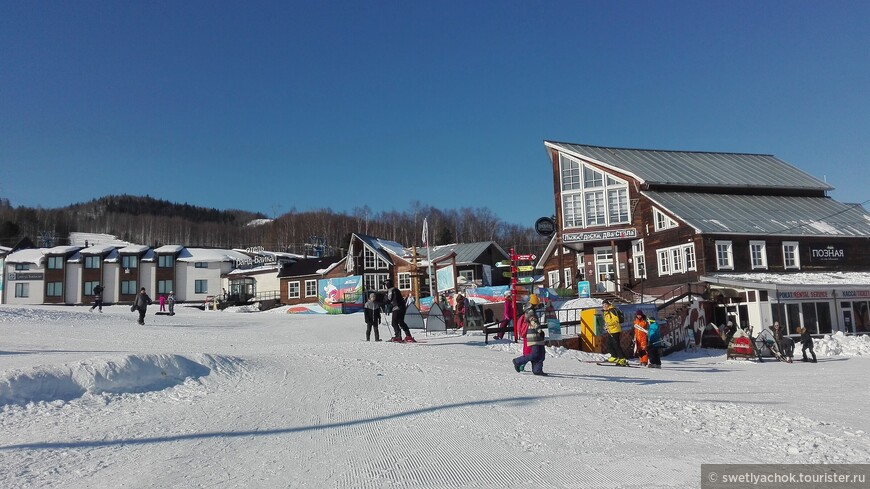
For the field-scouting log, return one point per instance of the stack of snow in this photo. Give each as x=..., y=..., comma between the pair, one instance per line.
x=839, y=344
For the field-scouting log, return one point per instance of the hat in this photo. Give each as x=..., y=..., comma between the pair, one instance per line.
x=605, y=302
x=638, y=313
x=507, y=293
x=389, y=282
x=171, y=292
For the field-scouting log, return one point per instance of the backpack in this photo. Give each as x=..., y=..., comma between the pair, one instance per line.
x=620, y=314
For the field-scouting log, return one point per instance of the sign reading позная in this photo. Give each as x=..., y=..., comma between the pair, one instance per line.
x=830, y=253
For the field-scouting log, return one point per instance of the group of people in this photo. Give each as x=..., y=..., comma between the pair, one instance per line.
x=394, y=306
x=140, y=303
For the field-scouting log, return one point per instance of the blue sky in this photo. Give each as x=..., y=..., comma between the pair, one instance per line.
x=271, y=106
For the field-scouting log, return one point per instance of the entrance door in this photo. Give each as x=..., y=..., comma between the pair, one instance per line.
x=846, y=324
x=605, y=272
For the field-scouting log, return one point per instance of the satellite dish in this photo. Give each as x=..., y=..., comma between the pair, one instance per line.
x=126, y=270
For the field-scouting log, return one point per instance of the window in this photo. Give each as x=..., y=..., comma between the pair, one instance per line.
x=553, y=278
x=572, y=208
x=128, y=287
x=200, y=286
x=371, y=261
x=22, y=290
x=54, y=289
x=22, y=266
x=164, y=286
x=89, y=287
x=790, y=257
x=662, y=221
x=92, y=262
x=569, y=276
x=374, y=281
x=200, y=264
x=758, y=254
x=638, y=258
x=591, y=197
x=724, y=258
x=676, y=259
x=165, y=261
x=55, y=263
x=311, y=288
x=468, y=274
x=293, y=290
x=405, y=280
x=664, y=262
x=129, y=261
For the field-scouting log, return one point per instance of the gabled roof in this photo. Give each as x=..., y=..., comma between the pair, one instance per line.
x=28, y=255
x=696, y=169
x=209, y=255
x=311, y=266
x=760, y=214
x=466, y=253
x=61, y=250
x=168, y=249
x=384, y=247
x=97, y=249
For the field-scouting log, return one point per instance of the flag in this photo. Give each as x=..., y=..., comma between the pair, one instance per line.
x=425, y=232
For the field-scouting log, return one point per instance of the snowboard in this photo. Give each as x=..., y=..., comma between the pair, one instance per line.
x=158, y=313
x=609, y=364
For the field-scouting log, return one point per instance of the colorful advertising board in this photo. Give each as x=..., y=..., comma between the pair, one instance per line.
x=342, y=295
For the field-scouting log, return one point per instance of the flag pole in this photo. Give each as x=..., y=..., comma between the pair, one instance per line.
x=432, y=290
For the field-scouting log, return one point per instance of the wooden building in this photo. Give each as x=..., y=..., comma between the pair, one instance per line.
x=655, y=225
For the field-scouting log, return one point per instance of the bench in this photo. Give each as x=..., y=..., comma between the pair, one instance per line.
x=494, y=328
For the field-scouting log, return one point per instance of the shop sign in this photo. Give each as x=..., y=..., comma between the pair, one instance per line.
x=829, y=253
x=21, y=276
x=628, y=233
x=804, y=295
x=855, y=294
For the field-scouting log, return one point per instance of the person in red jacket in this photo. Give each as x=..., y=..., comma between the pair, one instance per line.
x=509, y=315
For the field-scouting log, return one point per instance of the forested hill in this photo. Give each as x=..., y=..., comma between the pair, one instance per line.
x=154, y=222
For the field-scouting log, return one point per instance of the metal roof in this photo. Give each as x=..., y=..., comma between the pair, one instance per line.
x=698, y=169
x=465, y=252
x=761, y=214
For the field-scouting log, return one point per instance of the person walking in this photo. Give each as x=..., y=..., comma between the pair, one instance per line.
x=534, y=340
x=98, y=298
x=171, y=301
x=613, y=323
x=654, y=344
x=641, y=325
x=141, y=304
x=397, y=301
x=509, y=314
x=372, y=315
x=459, y=311
x=806, y=344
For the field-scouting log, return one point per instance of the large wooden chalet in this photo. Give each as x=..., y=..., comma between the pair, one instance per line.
x=737, y=228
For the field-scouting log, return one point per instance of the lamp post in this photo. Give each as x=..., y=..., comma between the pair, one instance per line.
x=642, y=269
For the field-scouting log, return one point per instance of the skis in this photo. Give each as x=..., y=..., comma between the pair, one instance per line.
x=611, y=364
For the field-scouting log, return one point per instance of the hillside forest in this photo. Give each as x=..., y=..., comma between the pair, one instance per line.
x=155, y=222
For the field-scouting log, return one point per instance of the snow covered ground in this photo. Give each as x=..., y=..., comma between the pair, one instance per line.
x=268, y=399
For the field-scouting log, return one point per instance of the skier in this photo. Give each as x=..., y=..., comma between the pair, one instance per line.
x=534, y=340
x=613, y=323
x=398, y=306
x=372, y=314
x=640, y=337
x=654, y=345
x=98, y=298
x=171, y=301
x=807, y=343
x=141, y=304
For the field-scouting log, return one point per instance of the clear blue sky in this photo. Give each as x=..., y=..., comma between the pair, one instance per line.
x=269, y=106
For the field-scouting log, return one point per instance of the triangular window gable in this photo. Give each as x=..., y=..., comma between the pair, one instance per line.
x=662, y=221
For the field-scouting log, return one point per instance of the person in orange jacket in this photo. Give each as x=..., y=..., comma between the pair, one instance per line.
x=641, y=343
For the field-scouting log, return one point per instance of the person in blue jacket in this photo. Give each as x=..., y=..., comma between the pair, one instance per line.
x=654, y=345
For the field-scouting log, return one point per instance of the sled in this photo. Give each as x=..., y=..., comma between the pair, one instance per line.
x=765, y=342
x=741, y=347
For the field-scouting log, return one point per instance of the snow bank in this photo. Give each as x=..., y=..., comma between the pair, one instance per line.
x=114, y=375
x=839, y=344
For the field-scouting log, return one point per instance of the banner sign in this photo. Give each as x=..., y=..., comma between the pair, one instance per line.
x=830, y=253
x=342, y=295
x=583, y=289
x=628, y=233
x=804, y=294
x=26, y=276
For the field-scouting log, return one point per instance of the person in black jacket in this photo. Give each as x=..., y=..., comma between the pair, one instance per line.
x=98, y=298
x=372, y=314
x=807, y=342
x=141, y=304
x=397, y=302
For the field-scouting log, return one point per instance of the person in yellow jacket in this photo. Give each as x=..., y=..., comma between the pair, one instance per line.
x=613, y=324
